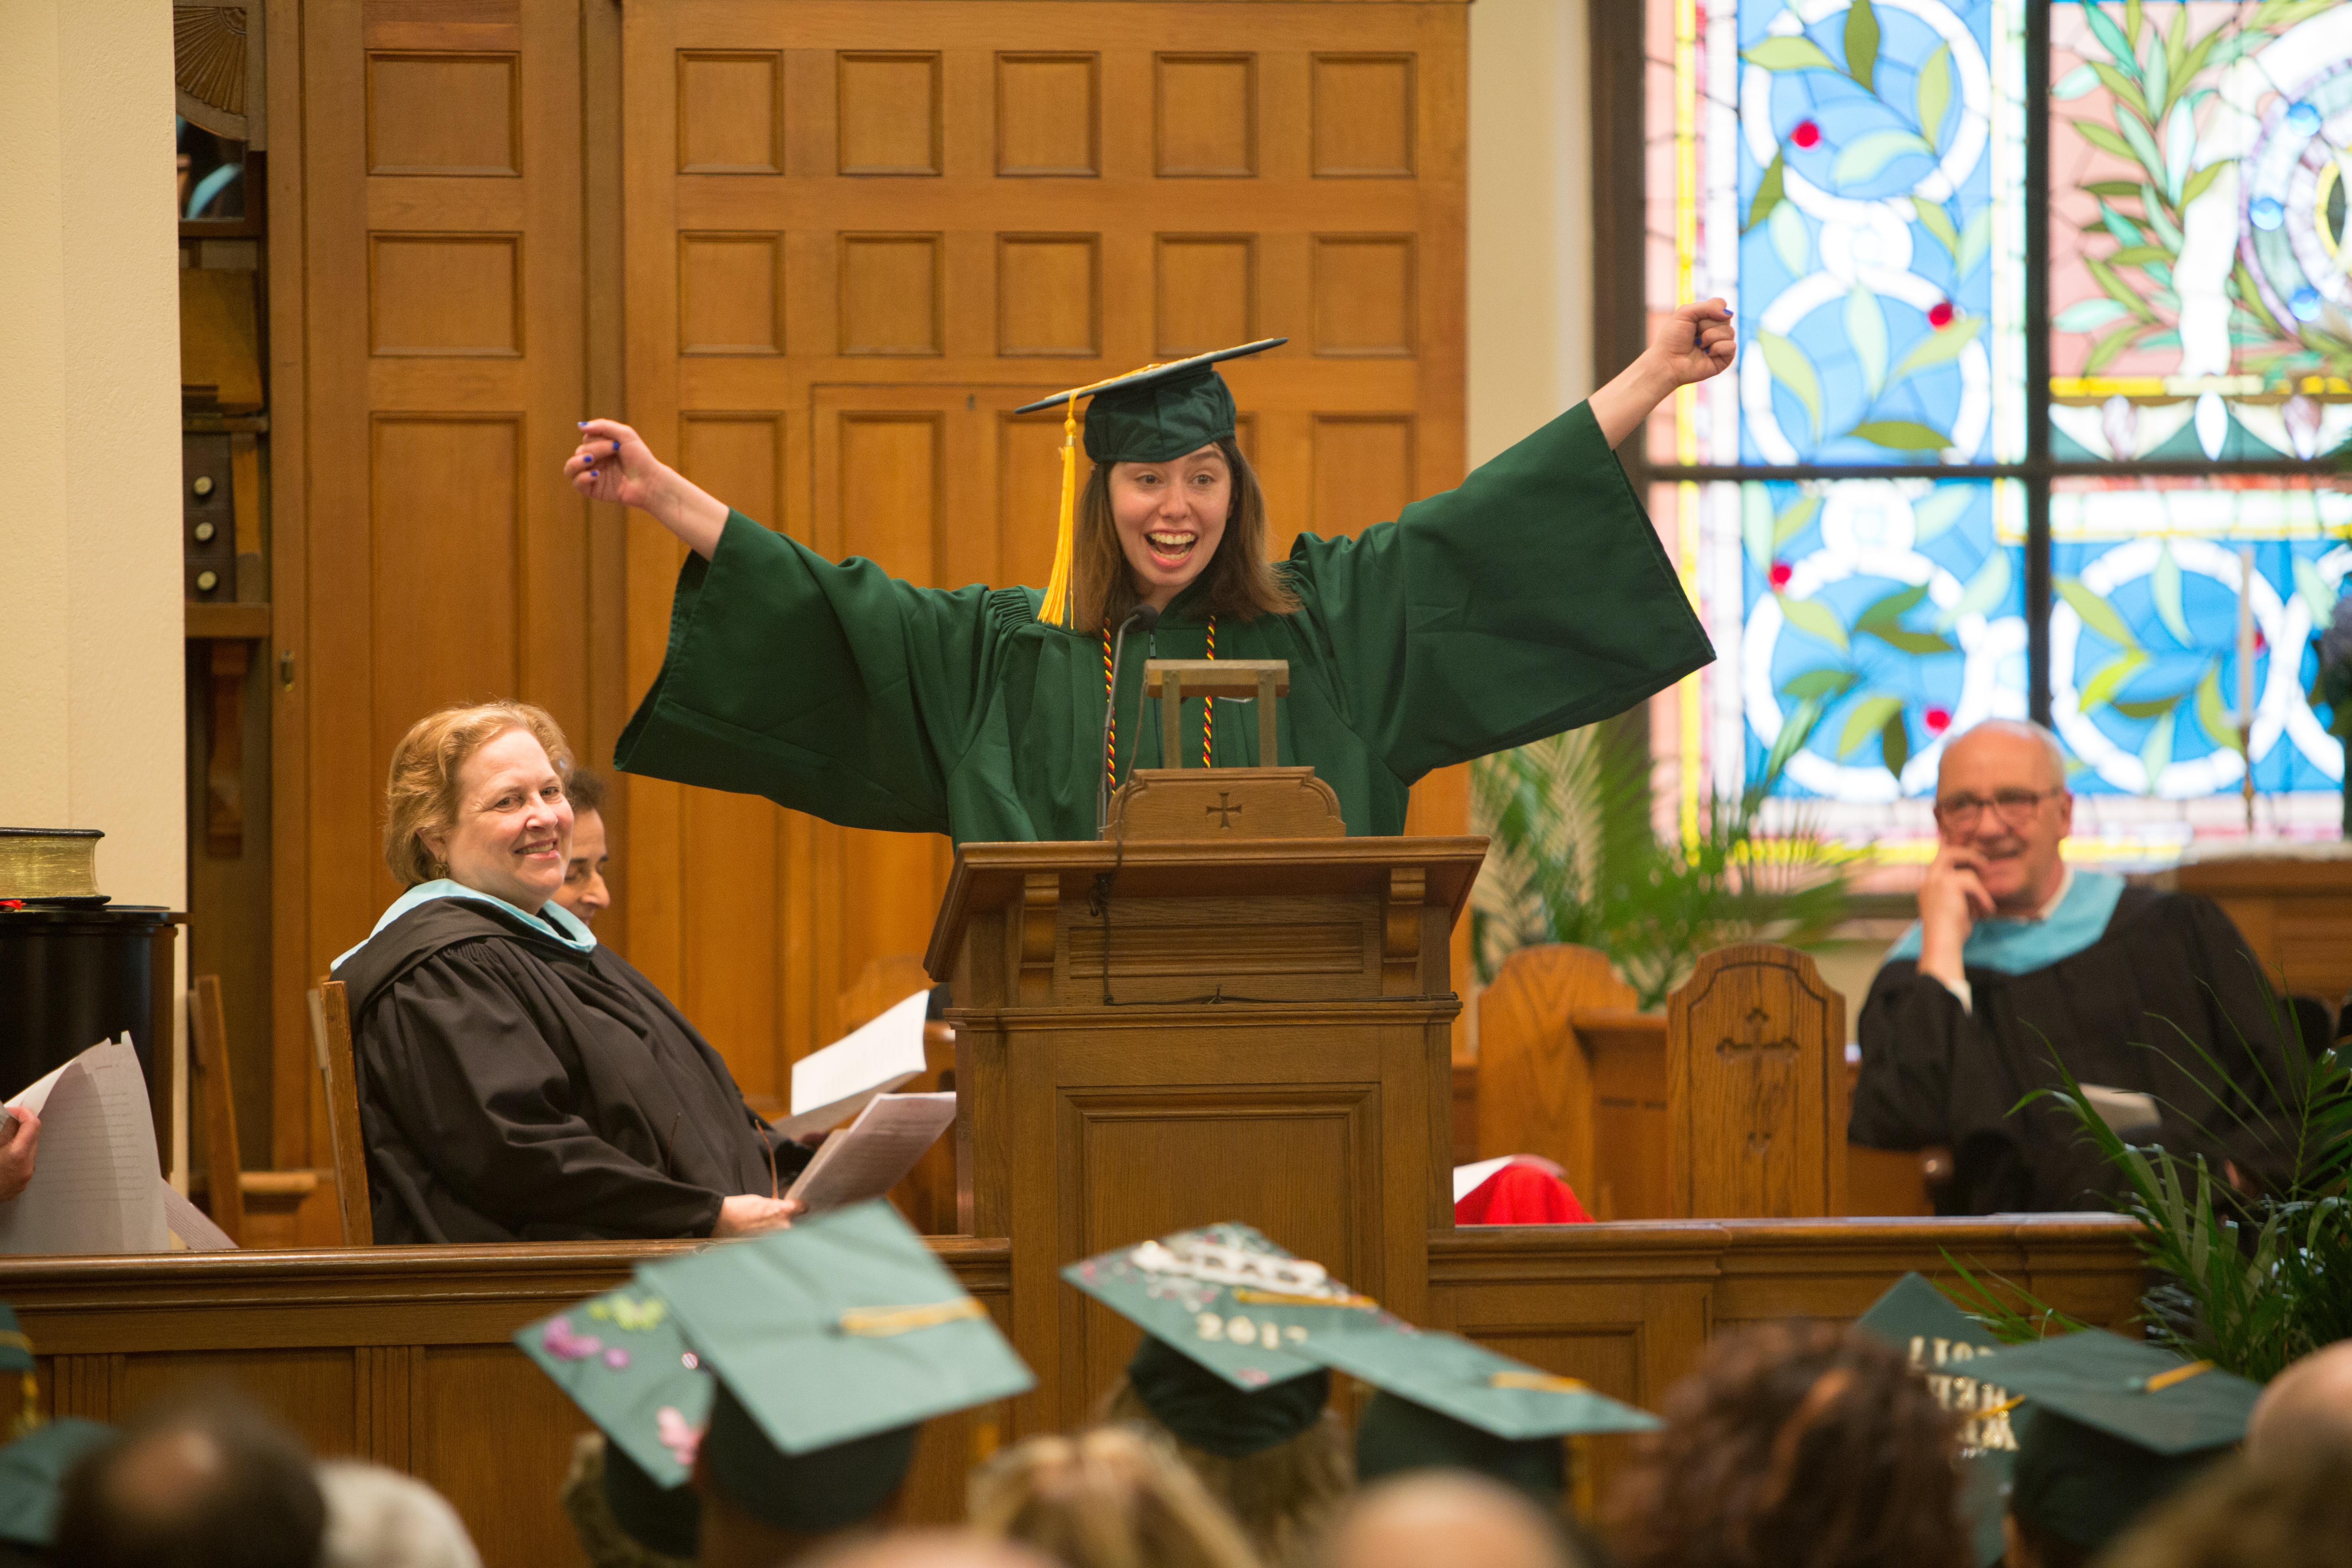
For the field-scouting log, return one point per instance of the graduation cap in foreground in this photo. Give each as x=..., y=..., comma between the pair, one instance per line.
x=2111, y=1426
x=832, y=1341
x=32, y=1471
x=1943, y=1344
x=621, y=1359
x=1446, y=1402
x=1225, y=1314
x=1148, y=416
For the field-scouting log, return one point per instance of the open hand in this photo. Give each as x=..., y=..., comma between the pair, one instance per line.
x=748, y=1214
x=1696, y=343
x=17, y=1156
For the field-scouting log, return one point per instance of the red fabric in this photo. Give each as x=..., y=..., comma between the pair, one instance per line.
x=1521, y=1194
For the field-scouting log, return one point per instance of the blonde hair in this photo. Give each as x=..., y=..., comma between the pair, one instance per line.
x=420, y=796
x=1241, y=585
x=1283, y=1498
x=1108, y=1497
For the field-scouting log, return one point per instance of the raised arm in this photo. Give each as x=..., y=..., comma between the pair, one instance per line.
x=613, y=464
x=1694, y=344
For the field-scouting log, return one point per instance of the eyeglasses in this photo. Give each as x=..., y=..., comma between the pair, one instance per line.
x=2016, y=806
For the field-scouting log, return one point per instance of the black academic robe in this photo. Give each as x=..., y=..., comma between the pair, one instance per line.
x=2169, y=964
x=512, y=1089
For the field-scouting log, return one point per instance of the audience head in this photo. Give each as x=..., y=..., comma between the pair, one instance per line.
x=1108, y=1497
x=476, y=795
x=194, y=1484
x=930, y=1549
x=2291, y=1509
x=625, y=1518
x=1277, y=1461
x=1796, y=1446
x=2074, y=1487
x=1395, y=1436
x=762, y=1505
x=2002, y=791
x=379, y=1518
x=1445, y=1519
x=2308, y=1404
x=583, y=891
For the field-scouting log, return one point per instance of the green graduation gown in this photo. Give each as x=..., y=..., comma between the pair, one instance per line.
x=1532, y=599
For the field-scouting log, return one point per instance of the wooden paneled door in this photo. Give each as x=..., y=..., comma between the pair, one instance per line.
x=858, y=236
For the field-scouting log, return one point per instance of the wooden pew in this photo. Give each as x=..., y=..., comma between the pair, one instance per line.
x=402, y=1354
x=1569, y=1070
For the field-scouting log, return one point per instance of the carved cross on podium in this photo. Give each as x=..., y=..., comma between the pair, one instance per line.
x=1172, y=802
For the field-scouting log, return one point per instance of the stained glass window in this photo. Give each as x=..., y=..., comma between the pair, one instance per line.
x=1869, y=504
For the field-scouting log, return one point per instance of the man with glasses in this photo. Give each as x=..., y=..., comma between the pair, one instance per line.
x=2149, y=998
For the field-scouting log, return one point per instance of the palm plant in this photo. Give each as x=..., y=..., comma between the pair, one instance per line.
x=2248, y=1284
x=1577, y=857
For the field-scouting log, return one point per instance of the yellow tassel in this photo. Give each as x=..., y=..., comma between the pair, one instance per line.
x=1056, y=606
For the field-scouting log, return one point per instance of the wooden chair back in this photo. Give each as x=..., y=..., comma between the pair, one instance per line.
x=1756, y=1078
x=330, y=1034
x=1569, y=1070
x=216, y=1107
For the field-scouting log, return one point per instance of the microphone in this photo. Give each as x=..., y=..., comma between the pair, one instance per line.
x=1144, y=617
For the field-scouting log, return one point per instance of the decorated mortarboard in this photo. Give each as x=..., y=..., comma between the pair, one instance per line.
x=2141, y=1392
x=33, y=1469
x=1943, y=1344
x=621, y=1358
x=839, y=1328
x=1146, y=416
x=2110, y=1426
x=1446, y=1402
x=1227, y=1298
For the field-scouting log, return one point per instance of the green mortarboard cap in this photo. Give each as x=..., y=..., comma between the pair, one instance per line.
x=814, y=1493
x=2128, y=1389
x=1226, y=1296
x=841, y=1327
x=1472, y=1385
x=621, y=1358
x=1943, y=1342
x=1204, y=1410
x=33, y=1468
x=15, y=1350
x=1395, y=1435
x=1159, y=413
x=2083, y=1485
x=665, y=1520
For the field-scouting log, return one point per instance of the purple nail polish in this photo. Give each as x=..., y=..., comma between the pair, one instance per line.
x=616, y=449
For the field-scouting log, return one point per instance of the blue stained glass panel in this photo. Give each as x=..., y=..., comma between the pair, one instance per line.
x=2145, y=655
x=1876, y=211
x=1881, y=615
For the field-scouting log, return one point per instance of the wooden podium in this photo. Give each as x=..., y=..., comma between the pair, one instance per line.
x=1157, y=1033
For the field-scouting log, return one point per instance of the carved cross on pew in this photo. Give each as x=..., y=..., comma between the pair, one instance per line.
x=1242, y=679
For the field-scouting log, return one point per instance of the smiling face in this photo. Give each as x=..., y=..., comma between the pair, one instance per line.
x=583, y=891
x=2023, y=866
x=512, y=826
x=1171, y=516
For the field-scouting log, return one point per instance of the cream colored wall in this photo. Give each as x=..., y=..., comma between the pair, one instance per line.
x=1531, y=349
x=91, y=689
x=90, y=701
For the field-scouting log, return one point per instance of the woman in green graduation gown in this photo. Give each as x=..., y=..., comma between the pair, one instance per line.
x=1533, y=598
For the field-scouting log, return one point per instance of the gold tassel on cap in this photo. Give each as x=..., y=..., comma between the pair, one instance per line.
x=1059, y=604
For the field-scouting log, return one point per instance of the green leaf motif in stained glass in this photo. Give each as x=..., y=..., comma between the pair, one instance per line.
x=2164, y=589
x=1826, y=683
x=1894, y=744
x=1901, y=435
x=1985, y=591
x=1867, y=155
x=1789, y=53
x=2109, y=679
x=2213, y=713
x=1932, y=95
x=1933, y=514
x=2319, y=598
x=1868, y=718
x=1768, y=194
x=1938, y=347
x=1794, y=517
x=1814, y=618
x=2095, y=613
x=1793, y=369
x=1862, y=44
x=1865, y=332
x=2155, y=751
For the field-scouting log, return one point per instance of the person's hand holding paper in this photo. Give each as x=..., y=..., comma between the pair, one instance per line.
x=831, y=1085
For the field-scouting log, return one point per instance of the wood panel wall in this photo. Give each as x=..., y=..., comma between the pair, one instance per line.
x=859, y=236
x=836, y=245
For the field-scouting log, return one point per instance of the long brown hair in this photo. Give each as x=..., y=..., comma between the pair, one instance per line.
x=1796, y=1447
x=1239, y=583
x=1282, y=1498
x=1108, y=1497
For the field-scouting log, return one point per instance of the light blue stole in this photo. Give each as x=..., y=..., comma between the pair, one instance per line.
x=552, y=920
x=2017, y=947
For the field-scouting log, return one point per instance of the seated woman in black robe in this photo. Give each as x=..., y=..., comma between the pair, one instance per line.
x=517, y=1080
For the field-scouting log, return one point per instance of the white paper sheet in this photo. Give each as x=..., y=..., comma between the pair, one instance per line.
x=190, y=1225
x=833, y=1085
x=2125, y=1114
x=873, y=1153
x=96, y=1183
x=1468, y=1179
